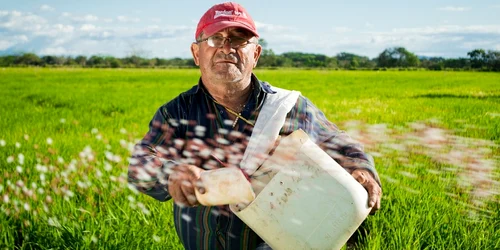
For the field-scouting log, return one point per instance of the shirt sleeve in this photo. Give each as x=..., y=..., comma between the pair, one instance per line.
x=149, y=165
x=341, y=147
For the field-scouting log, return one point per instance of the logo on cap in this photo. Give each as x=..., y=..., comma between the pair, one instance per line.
x=228, y=13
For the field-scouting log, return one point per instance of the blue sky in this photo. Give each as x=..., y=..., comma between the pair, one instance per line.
x=154, y=28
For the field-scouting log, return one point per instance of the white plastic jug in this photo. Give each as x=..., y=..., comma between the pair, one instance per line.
x=305, y=200
x=224, y=186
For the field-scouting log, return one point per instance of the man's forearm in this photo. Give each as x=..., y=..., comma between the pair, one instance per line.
x=349, y=154
x=148, y=172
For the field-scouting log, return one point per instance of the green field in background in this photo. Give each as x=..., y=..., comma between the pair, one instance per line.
x=66, y=134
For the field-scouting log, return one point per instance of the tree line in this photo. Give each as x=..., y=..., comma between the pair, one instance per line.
x=395, y=57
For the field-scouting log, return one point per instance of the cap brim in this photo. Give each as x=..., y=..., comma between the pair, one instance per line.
x=216, y=27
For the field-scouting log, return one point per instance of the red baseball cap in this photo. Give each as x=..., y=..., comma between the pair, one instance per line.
x=223, y=16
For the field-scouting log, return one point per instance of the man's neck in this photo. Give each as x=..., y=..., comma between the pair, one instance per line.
x=231, y=95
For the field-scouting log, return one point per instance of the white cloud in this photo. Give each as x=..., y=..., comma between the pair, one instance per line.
x=16, y=13
x=89, y=18
x=271, y=28
x=125, y=19
x=369, y=25
x=19, y=21
x=429, y=53
x=7, y=42
x=86, y=18
x=454, y=9
x=60, y=36
x=46, y=8
x=107, y=20
x=155, y=20
x=64, y=28
x=478, y=44
x=450, y=29
x=341, y=29
x=157, y=32
x=61, y=41
x=451, y=34
x=21, y=38
x=88, y=27
x=53, y=51
x=55, y=30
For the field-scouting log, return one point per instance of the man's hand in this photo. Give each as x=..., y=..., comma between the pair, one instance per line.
x=365, y=178
x=182, y=181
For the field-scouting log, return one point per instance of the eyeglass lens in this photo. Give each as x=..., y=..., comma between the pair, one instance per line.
x=219, y=41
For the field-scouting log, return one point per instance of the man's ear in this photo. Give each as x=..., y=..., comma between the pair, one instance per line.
x=256, y=54
x=195, y=48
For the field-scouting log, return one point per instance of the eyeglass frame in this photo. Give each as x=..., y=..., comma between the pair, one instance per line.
x=227, y=39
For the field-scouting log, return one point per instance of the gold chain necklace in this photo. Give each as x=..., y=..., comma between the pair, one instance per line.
x=238, y=115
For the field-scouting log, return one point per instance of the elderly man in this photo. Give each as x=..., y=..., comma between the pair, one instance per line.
x=209, y=127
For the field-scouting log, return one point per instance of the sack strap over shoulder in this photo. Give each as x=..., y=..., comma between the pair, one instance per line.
x=267, y=127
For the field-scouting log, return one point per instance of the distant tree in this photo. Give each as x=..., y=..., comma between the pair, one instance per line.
x=457, y=63
x=28, y=59
x=351, y=61
x=60, y=60
x=48, y=60
x=432, y=63
x=267, y=57
x=332, y=62
x=397, y=57
x=493, y=59
x=133, y=61
x=308, y=60
x=354, y=63
x=7, y=61
x=160, y=62
x=284, y=62
x=70, y=61
x=112, y=62
x=190, y=62
x=81, y=60
x=263, y=43
x=95, y=61
x=478, y=58
x=179, y=63
x=154, y=62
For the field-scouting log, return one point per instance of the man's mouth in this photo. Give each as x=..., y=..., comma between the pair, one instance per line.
x=226, y=61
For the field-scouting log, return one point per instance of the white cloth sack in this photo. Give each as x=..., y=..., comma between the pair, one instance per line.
x=266, y=130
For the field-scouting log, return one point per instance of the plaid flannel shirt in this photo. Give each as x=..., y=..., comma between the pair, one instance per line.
x=186, y=128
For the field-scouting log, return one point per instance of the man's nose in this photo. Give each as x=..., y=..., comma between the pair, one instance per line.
x=226, y=47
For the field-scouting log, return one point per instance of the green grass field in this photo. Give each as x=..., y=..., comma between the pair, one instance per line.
x=66, y=135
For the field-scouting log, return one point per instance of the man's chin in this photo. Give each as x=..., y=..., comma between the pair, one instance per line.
x=228, y=74
x=228, y=78
x=221, y=67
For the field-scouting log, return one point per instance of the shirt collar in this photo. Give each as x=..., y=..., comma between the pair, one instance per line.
x=258, y=86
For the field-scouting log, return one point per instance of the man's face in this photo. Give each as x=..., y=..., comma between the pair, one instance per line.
x=227, y=64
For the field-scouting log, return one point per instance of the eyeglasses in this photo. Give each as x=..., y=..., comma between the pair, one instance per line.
x=217, y=41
